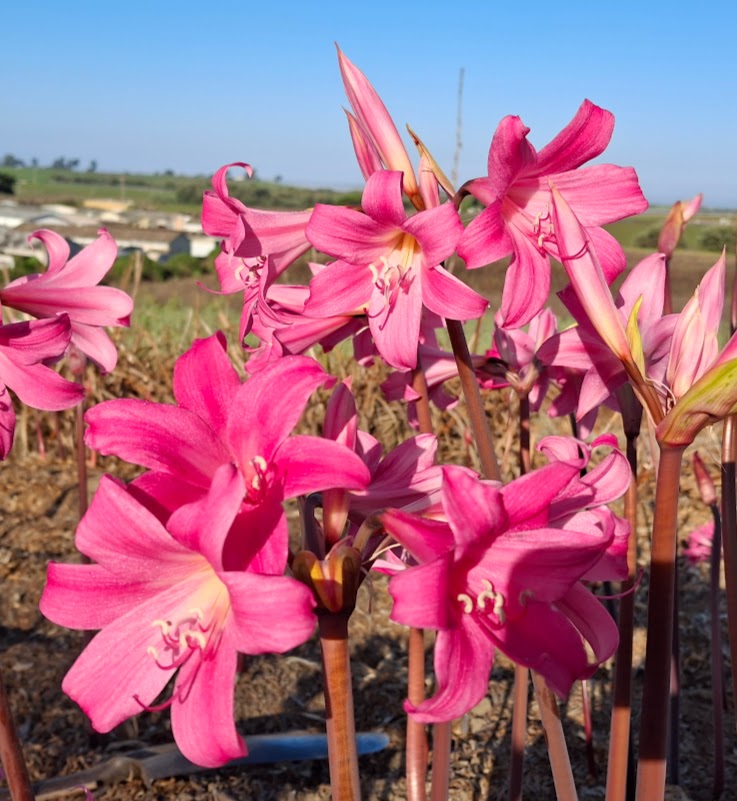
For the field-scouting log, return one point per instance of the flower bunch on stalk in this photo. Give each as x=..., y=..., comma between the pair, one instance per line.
x=192, y=559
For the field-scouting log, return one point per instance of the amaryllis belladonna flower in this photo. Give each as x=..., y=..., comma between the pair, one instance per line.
x=71, y=286
x=220, y=420
x=504, y=571
x=517, y=218
x=169, y=605
x=389, y=265
x=24, y=347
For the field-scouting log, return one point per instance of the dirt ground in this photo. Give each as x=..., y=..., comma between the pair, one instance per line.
x=38, y=515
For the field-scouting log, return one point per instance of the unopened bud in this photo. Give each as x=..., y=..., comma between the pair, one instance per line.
x=704, y=482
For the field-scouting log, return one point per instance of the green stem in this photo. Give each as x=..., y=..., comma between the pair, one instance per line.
x=656, y=689
x=340, y=723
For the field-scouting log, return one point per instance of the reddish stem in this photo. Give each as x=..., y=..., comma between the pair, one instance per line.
x=416, y=749
x=519, y=731
x=560, y=764
x=717, y=666
x=618, y=765
x=11, y=754
x=656, y=689
x=588, y=729
x=729, y=537
x=521, y=674
x=340, y=723
x=472, y=394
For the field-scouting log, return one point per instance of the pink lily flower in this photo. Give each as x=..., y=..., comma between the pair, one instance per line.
x=583, y=348
x=219, y=421
x=406, y=474
x=518, y=201
x=699, y=543
x=257, y=246
x=388, y=264
x=375, y=137
x=287, y=331
x=71, y=286
x=504, y=572
x=23, y=349
x=695, y=342
x=170, y=603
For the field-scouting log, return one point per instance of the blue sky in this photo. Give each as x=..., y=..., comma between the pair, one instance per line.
x=189, y=86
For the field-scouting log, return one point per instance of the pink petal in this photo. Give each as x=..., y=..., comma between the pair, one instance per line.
x=544, y=639
x=88, y=267
x=449, y=297
x=423, y=609
x=56, y=246
x=382, y=198
x=424, y=538
x=156, y=436
x=309, y=464
x=375, y=119
x=340, y=288
x=509, y=155
x=584, y=138
x=350, y=235
x=127, y=540
x=270, y=614
x=268, y=405
x=527, y=500
x=7, y=423
x=646, y=281
x=486, y=238
x=592, y=620
x=203, y=525
x=369, y=160
x=39, y=386
x=475, y=510
x=437, y=231
x=202, y=715
x=526, y=285
x=396, y=327
x=116, y=676
x=205, y=381
x=96, y=345
x=69, y=588
x=463, y=660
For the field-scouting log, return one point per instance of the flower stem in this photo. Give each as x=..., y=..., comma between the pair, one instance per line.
x=729, y=536
x=519, y=731
x=656, y=689
x=619, y=768
x=340, y=723
x=416, y=748
x=476, y=414
x=11, y=754
x=560, y=764
x=717, y=665
x=521, y=674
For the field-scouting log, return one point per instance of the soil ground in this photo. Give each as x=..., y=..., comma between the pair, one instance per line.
x=38, y=515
